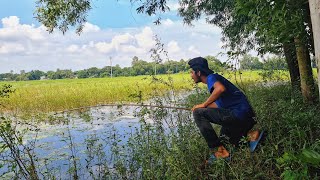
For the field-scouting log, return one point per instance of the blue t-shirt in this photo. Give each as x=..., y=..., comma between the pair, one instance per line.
x=232, y=99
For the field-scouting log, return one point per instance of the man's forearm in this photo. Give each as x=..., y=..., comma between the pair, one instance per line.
x=212, y=105
x=214, y=96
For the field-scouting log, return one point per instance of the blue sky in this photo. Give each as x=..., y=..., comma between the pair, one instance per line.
x=114, y=29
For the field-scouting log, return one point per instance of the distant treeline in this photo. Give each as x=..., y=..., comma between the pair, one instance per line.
x=141, y=67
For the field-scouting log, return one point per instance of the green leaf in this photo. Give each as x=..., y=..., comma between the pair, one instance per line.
x=310, y=156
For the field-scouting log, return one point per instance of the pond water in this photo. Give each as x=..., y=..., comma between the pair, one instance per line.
x=86, y=138
x=77, y=134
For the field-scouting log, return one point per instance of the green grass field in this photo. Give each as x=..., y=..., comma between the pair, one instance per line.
x=57, y=95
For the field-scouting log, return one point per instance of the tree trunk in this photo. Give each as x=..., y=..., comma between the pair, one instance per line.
x=315, y=19
x=306, y=78
x=307, y=18
x=291, y=58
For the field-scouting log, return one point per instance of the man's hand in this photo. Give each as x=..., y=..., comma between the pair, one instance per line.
x=198, y=106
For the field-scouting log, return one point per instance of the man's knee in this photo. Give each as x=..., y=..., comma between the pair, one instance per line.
x=198, y=113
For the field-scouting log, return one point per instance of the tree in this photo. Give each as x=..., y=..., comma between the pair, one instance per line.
x=60, y=74
x=315, y=18
x=249, y=62
x=215, y=64
x=135, y=60
x=62, y=14
x=183, y=66
x=306, y=78
x=22, y=76
x=291, y=59
x=266, y=26
x=50, y=75
x=82, y=74
x=117, y=71
x=35, y=75
x=275, y=63
x=289, y=20
x=93, y=72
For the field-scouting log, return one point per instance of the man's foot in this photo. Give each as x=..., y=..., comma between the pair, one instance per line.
x=221, y=153
x=253, y=135
x=254, y=138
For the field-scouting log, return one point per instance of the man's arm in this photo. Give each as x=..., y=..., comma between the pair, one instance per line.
x=219, y=88
x=213, y=105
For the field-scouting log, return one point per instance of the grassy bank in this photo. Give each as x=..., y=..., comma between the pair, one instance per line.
x=291, y=149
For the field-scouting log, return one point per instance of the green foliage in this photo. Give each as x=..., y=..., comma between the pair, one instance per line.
x=296, y=166
x=62, y=14
x=20, y=159
x=6, y=90
x=162, y=149
x=273, y=75
x=249, y=24
x=275, y=63
x=138, y=67
x=249, y=62
x=290, y=150
x=292, y=129
x=244, y=23
x=35, y=75
x=216, y=65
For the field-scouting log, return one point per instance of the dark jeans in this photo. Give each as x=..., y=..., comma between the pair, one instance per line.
x=232, y=127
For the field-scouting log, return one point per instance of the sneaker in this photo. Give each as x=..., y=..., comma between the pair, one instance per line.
x=255, y=141
x=221, y=153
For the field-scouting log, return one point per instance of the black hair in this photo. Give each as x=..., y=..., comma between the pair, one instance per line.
x=200, y=64
x=196, y=70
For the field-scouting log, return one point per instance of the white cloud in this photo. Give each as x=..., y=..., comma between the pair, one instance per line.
x=13, y=30
x=173, y=47
x=73, y=48
x=145, y=38
x=194, y=50
x=104, y=47
x=167, y=22
x=28, y=47
x=89, y=28
x=125, y=43
x=11, y=48
x=9, y=22
x=174, y=6
x=119, y=40
x=132, y=49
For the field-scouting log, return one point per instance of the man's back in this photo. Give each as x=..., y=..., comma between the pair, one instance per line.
x=232, y=99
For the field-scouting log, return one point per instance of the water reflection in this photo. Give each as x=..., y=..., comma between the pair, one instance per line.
x=85, y=144
x=77, y=133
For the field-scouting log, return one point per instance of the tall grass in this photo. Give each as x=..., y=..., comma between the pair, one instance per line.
x=290, y=151
x=57, y=95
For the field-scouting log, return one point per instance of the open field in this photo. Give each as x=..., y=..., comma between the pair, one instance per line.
x=57, y=95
